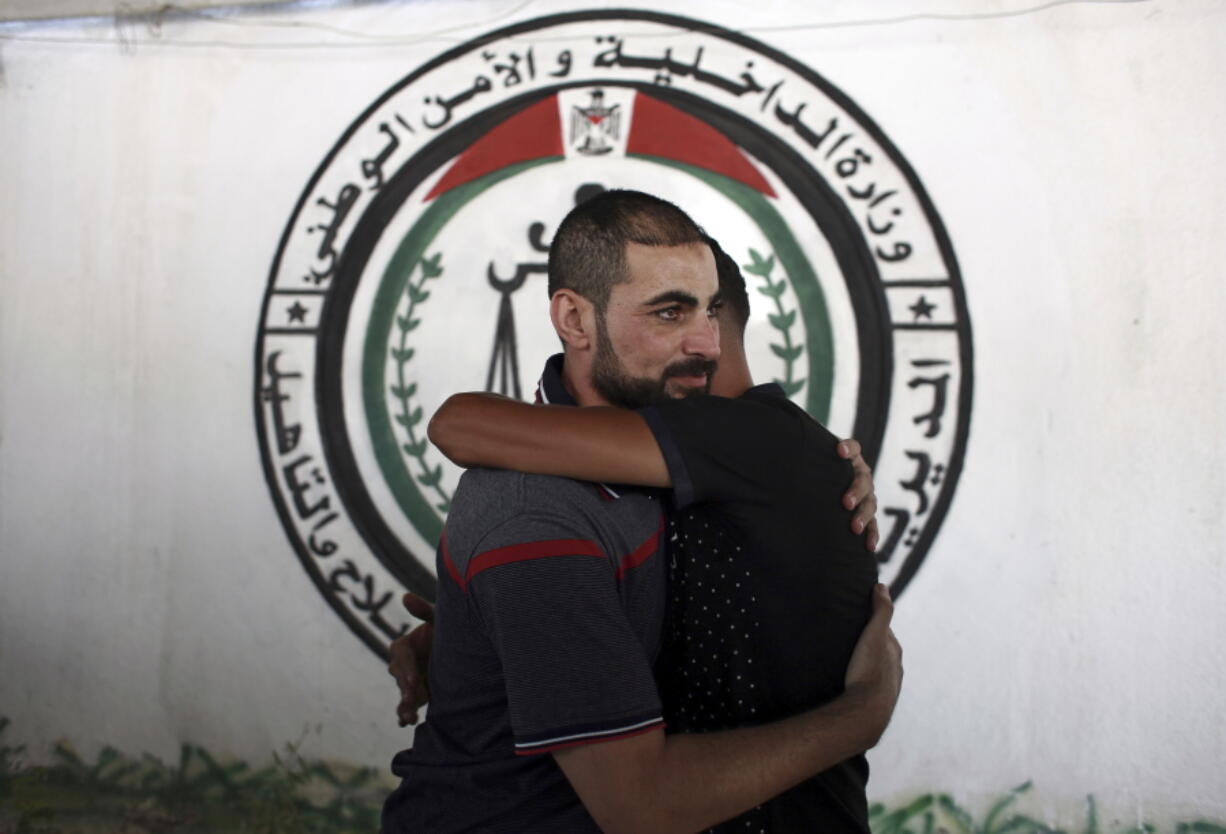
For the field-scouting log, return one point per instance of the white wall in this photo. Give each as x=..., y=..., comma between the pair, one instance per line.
x=1067, y=625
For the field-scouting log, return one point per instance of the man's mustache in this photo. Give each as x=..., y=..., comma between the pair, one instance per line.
x=691, y=367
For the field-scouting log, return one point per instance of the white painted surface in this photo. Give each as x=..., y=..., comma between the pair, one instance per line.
x=1068, y=623
x=142, y=10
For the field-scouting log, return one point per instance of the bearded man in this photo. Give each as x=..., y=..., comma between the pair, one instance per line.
x=545, y=714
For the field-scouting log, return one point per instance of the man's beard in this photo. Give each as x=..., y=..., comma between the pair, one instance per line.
x=611, y=381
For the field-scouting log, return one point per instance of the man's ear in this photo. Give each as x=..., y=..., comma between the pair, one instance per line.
x=574, y=318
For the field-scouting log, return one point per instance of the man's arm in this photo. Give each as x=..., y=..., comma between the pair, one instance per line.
x=589, y=444
x=688, y=782
x=409, y=660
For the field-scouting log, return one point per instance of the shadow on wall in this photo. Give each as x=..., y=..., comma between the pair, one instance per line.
x=288, y=795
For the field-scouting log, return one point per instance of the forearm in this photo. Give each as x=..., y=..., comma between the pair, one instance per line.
x=687, y=782
x=720, y=775
x=591, y=444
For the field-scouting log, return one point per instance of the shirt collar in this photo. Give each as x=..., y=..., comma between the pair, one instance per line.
x=772, y=388
x=551, y=390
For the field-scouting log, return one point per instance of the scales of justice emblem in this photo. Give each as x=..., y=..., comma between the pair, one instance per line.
x=414, y=265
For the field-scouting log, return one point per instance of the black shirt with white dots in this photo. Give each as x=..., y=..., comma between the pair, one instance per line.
x=768, y=588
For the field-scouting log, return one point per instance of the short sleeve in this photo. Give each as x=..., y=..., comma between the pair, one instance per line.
x=575, y=670
x=720, y=449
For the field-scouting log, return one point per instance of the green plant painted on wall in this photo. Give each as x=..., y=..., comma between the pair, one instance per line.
x=938, y=813
x=200, y=794
x=196, y=794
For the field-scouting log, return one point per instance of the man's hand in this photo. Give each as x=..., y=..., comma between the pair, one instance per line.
x=860, y=496
x=690, y=781
x=875, y=668
x=410, y=660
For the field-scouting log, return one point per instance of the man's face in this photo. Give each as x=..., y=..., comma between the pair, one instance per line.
x=658, y=338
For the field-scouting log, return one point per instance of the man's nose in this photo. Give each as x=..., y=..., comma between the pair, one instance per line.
x=703, y=338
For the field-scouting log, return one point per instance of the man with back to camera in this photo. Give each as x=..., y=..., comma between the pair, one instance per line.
x=547, y=620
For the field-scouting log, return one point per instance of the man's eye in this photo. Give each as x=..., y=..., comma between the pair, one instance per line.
x=714, y=309
x=669, y=314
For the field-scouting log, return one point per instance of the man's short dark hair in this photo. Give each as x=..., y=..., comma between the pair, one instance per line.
x=731, y=285
x=588, y=253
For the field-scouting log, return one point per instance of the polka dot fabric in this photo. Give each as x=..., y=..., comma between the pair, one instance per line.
x=706, y=669
x=756, y=634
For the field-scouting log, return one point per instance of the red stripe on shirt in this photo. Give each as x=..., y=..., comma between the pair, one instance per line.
x=641, y=553
x=531, y=550
x=659, y=725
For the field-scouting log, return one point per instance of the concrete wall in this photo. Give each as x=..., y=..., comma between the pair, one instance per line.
x=1067, y=623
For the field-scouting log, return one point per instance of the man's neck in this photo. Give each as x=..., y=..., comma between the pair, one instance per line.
x=566, y=381
x=578, y=384
x=733, y=377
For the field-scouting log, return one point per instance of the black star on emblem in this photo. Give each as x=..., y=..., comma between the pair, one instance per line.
x=922, y=309
x=297, y=312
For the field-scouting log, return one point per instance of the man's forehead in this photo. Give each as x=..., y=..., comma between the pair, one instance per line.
x=689, y=266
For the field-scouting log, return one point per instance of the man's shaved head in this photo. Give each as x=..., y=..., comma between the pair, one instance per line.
x=731, y=286
x=588, y=254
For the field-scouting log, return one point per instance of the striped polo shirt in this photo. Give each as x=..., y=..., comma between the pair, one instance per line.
x=549, y=614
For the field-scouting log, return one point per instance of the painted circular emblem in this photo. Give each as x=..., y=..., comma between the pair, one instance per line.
x=414, y=267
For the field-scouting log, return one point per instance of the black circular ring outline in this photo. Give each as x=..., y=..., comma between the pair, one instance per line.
x=868, y=427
